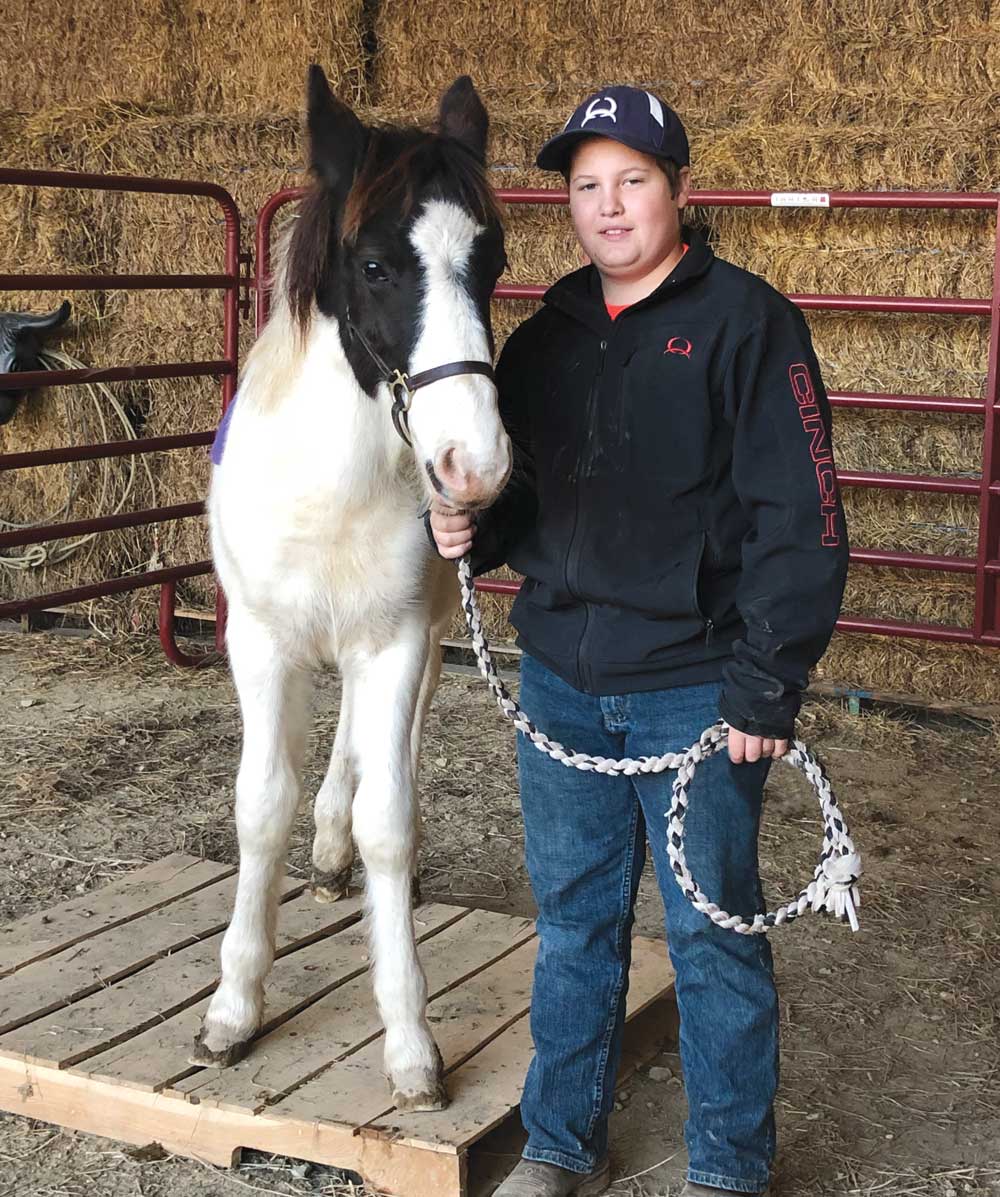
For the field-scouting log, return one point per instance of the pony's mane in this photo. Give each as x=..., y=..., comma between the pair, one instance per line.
x=398, y=164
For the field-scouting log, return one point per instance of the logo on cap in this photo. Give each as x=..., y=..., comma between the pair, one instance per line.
x=593, y=111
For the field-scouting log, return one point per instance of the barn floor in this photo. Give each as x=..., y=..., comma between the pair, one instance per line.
x=891, y=1067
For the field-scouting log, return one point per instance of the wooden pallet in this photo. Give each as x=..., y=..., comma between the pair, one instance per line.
x=101, y=997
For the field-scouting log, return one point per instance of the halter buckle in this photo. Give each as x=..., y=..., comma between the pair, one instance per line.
x=401, y=391
x=402, y=397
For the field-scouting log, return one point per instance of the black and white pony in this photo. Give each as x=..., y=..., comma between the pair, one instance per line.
x=318, y=542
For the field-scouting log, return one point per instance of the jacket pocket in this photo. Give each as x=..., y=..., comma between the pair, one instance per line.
x=656, y=613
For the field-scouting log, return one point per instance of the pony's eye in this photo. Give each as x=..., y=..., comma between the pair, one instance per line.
x=374, y=272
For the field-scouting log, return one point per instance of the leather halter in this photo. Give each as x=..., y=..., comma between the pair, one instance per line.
x=404, y=386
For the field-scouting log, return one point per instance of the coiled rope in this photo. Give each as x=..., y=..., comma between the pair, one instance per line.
x=834, y=884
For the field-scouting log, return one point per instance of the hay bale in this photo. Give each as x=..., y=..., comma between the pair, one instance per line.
x=857, y=251
x=726, y=63
x=911, y=595
x=553, y=54
x=238, y=56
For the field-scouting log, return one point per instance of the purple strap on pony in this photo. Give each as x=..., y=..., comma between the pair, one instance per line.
x=219, y=444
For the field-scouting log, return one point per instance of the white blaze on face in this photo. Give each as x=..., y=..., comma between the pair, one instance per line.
x=454, y=422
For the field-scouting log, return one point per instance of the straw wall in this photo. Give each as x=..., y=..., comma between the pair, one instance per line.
x=211, y=56
x=853, y=94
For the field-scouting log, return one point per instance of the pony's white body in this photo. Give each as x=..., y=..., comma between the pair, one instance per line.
x=323, y=558
x=313, y=510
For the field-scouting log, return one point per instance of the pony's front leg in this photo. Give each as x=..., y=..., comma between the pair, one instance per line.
x=386, y=825
x=274, y=695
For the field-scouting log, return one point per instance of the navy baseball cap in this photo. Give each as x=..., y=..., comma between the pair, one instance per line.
x=630, y=115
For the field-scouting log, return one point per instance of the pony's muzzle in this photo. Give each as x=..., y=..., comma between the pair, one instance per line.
x=466, y=481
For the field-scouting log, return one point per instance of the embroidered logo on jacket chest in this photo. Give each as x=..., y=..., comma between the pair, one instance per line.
x=679, y=345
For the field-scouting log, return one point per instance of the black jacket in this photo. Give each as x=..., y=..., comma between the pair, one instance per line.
x=673, y=506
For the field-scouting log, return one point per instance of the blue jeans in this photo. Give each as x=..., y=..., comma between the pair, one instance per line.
x=585, y=842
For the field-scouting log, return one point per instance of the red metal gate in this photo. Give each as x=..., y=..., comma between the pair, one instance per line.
x=229, y=282
x=985, y=567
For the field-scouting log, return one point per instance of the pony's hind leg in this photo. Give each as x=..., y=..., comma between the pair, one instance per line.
x=386, y=830
x=273, y=701
x=333, y=849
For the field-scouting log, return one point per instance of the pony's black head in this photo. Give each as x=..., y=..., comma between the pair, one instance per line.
x=400, y=241
x=21, y=336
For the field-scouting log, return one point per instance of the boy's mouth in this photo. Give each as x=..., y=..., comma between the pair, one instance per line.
x=615, y=232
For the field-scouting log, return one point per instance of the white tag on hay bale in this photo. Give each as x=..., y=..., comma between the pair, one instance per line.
x=800, y=199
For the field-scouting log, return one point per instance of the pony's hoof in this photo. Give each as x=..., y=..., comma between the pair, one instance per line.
x=202, y=1056
x=422, y=1089
x=330, y=887
x=433, y=1098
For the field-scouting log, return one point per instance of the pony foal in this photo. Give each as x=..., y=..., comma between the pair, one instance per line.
x=317, y=540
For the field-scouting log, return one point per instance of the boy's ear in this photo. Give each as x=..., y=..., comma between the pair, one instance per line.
x=336, y=137
x=461, y=115
x=683, y=187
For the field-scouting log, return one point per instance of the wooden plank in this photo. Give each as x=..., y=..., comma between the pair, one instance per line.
x=39, y=935
x=464, y=1019
x=488, y=1086
x=216, y=1136
x=156, y=1059
x=346, y=1019
x=82, y=969
x=96, y=1023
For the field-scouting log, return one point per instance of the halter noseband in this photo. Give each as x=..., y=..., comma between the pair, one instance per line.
x=403, y=386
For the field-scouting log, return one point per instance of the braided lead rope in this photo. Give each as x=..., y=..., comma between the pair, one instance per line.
x=834, y=883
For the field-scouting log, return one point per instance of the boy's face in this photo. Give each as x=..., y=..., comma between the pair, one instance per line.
x=627, y=221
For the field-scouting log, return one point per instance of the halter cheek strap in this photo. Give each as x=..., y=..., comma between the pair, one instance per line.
x=404, y=386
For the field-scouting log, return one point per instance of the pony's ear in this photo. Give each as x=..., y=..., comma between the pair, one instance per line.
x=336, y=136
x=462, y=116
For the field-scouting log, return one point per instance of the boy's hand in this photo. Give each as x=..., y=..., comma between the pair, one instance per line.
x=751, y=748
x=452, y=530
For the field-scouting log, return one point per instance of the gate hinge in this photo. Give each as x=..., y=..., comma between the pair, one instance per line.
x=246, y=285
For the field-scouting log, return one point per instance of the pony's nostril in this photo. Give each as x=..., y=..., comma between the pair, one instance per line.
x=453, y=469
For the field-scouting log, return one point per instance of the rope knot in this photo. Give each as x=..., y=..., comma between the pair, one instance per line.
x=837, y=887
x=842, y=872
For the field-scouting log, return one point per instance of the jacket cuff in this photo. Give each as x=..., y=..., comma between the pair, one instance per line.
x=775, y=724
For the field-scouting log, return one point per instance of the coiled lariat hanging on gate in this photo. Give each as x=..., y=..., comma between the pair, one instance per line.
x=834, y=884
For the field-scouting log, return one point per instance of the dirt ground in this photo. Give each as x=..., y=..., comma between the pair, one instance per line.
x=111, y=758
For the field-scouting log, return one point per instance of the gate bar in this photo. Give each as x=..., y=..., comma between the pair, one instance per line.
x=149, y=444
x=229, y=282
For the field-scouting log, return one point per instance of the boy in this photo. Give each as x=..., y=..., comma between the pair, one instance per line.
x=675, y=514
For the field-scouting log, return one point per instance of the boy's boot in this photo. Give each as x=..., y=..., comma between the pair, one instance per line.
x=533, y=1179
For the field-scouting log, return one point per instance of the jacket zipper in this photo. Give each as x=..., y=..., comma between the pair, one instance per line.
x=571, y=551
x=708, y=623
